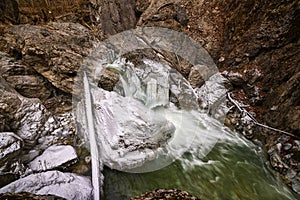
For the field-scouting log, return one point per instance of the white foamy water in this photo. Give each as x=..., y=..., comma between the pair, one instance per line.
x=196, y=152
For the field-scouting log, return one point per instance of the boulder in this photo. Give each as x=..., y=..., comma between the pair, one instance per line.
x=26, y=117
x=56, y=156
x=107, y=80
x=10, y=146
x=29, y=86
x=65, y=185
x=212, y=94
x=127, y=131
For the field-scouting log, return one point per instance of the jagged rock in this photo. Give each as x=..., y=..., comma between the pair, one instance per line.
x=26, y=117
x=107, y=80
x=29, y=86
x=267, y=40
x=59, y=104
x=23, y=78
x=117, y=16
x=55, y=50
x=10, y=149
x=30, y=119
x=9, y=103
x=236, y=79
x=10, y=146
x=103, y=17
x=54, y=157
x=211, y=96
x=65, y=185
x=198, y=75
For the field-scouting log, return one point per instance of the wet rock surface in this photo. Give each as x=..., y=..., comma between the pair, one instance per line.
x=65, y=185
x=33, y=130
x=10, y=146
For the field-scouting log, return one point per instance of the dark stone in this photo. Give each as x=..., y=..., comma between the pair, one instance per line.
x=265, y=35
x=6, y=178
x=166, y=194
x=107, y=80
x=196, y=77
x=30, y=86
x=181, y=15
x=236, y=79
x=9, y=11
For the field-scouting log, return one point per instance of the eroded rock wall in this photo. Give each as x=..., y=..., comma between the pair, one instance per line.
x=264, y=35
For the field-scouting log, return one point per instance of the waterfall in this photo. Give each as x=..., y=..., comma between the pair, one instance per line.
x=141, y=129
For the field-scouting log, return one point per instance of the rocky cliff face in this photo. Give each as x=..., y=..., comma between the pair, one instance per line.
x=265, y=36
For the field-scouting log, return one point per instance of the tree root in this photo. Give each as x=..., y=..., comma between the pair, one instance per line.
x=244, y=111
